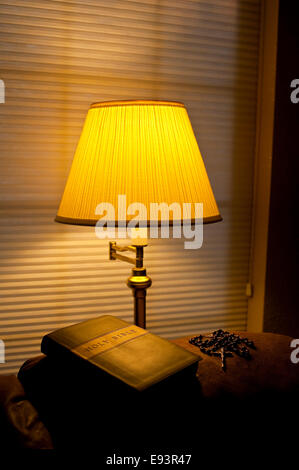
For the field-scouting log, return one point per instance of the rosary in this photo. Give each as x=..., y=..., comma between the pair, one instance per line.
x=223, y=344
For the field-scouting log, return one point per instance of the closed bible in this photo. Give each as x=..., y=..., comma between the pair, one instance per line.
x=126, y=353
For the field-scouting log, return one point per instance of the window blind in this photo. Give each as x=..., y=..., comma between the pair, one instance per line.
x=57, y=57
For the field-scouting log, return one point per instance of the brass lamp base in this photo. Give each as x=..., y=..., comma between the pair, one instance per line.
x=139, y=282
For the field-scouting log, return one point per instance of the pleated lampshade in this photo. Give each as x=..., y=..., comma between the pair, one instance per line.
x=145, y=150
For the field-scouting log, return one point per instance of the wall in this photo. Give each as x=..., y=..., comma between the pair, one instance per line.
x=281, y=302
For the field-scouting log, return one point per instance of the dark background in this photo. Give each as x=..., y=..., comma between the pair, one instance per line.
x=281, y=299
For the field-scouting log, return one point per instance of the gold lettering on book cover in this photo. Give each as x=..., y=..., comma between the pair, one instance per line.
x=105, y=342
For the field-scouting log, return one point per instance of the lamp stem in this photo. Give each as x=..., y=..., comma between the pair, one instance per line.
x=140, y=307
x=139, y=282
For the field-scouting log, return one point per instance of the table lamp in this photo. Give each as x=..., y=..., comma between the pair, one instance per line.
x=136, y=151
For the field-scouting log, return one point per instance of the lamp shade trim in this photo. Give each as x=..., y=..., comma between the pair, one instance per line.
x=105, y=104
x=92, y=222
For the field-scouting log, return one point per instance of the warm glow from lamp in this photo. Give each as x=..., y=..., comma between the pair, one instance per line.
x=145, y=150
x=138, y=236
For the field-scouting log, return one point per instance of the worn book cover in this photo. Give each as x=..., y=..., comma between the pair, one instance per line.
x=128, y=353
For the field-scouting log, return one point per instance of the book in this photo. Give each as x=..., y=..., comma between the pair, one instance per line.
x=129, y=354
